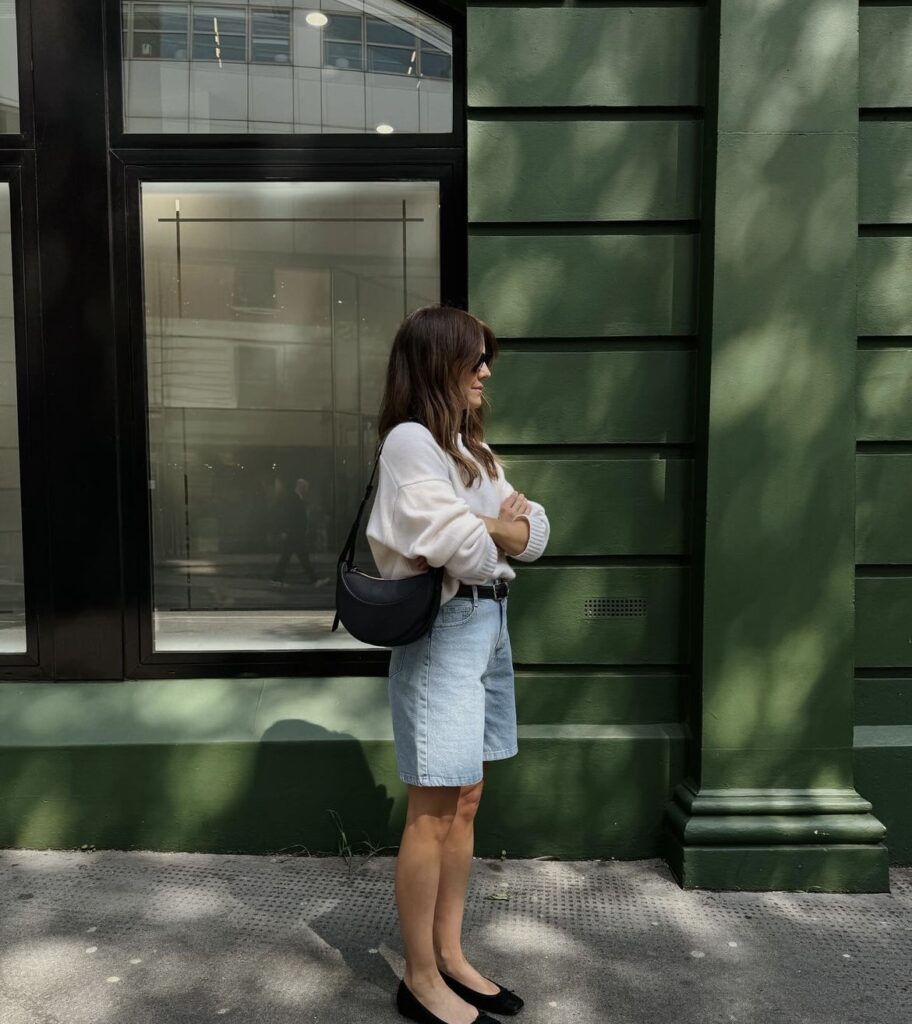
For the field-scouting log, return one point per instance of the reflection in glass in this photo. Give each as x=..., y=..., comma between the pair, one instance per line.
x=270, y=37
x=344, y=26
x=219, y=33
x=269, y=312
x=12, y=591
x=242, y=67
x=393, y=59
x=382, y=32
x=9, y=71
x=343, y=55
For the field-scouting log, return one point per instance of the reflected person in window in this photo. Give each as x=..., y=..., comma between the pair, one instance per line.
x=443, y=500
x=295, y=515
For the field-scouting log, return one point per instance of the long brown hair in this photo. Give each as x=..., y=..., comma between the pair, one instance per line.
x=434, y=346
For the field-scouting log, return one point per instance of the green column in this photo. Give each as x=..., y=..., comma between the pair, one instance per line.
x=770, y=801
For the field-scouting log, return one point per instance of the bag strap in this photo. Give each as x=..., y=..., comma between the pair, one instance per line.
x=348, y=551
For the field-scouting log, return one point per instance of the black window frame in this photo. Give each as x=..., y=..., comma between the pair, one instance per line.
x=24, y=139
x=141, y=659
x=18, y=172
x=304, y=157
x=81, y=386
x=451, y=13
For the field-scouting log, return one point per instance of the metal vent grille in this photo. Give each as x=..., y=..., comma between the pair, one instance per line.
x=614, y=607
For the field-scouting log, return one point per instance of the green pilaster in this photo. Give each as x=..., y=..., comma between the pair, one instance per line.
x=770, y=800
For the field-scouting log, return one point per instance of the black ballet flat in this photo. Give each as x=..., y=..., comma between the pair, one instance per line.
x=504, y=1001
x=409, y=1007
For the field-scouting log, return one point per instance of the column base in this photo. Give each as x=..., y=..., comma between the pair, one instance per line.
x=762, y=840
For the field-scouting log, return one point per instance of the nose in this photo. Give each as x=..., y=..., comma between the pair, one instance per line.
x=484, y=371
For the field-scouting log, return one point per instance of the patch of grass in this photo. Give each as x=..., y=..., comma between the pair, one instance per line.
x=344, y=847
x=345, y=850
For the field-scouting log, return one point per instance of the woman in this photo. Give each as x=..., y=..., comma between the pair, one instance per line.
x=442, y=499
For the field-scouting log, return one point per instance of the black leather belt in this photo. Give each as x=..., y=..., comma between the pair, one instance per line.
x=498, y=592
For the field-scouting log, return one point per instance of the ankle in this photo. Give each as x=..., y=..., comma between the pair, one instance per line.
x=449, y=959
x=422, y=979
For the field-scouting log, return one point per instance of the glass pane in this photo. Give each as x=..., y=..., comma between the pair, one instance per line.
x=343, y=55
x=270, y=41
x=171, y=46
x=343, y=26
x=268, y=69
x=276, y=25
x=382, y=32
x=225, y=20
x=270, y=309
x=160, y=18
x=12, y=591
x=9, y=71
x=435, y=64
x=206, y=46
x=392, y=59
x=269, y=51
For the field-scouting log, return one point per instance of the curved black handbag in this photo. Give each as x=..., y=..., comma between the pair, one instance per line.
x=386, y=613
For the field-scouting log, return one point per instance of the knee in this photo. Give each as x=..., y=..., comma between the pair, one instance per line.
x=469, y=799
x=431, y=814
x=433, y=828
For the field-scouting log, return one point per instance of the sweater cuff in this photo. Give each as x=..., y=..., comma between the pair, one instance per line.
x=486, y=570
x=538, y=538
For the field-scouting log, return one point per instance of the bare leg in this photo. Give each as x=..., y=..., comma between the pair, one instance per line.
x=455, y=868
x=431, y=811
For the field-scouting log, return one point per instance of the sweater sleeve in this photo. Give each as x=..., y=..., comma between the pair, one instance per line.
x=429, y=518
x=539, y=526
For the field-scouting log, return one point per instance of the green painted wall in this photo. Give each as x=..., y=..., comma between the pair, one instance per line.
x=584, y=207
x=769, y=798
x=883, y=537
x=677, y=386
x=583, y=245
x=257, y=765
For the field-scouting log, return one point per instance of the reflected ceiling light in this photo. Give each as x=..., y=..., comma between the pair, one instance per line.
x=316, y=18
x=385, y=129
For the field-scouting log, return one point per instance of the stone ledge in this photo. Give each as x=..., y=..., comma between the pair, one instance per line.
x=805, y=868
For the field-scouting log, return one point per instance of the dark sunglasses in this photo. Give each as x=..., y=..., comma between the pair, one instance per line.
x=485, y=358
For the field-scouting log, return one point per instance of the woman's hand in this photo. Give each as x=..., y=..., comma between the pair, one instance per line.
x=515, y=505
x=510, y=535
x=422, y=563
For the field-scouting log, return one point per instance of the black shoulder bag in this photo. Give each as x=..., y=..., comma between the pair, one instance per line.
x=386, y=613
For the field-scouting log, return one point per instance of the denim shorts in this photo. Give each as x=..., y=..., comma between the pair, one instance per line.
x=451, y=695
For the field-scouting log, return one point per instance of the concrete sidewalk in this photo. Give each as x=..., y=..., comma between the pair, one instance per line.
x=152, y=938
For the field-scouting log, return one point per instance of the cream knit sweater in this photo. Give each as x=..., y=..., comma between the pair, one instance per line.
x=423, y=508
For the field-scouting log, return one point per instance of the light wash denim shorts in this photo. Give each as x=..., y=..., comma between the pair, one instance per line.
x=451, y=695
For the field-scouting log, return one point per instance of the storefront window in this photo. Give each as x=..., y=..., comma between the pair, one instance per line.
x=9, y=71
x=12, y=593
x=239, y=68
x=270, y=308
